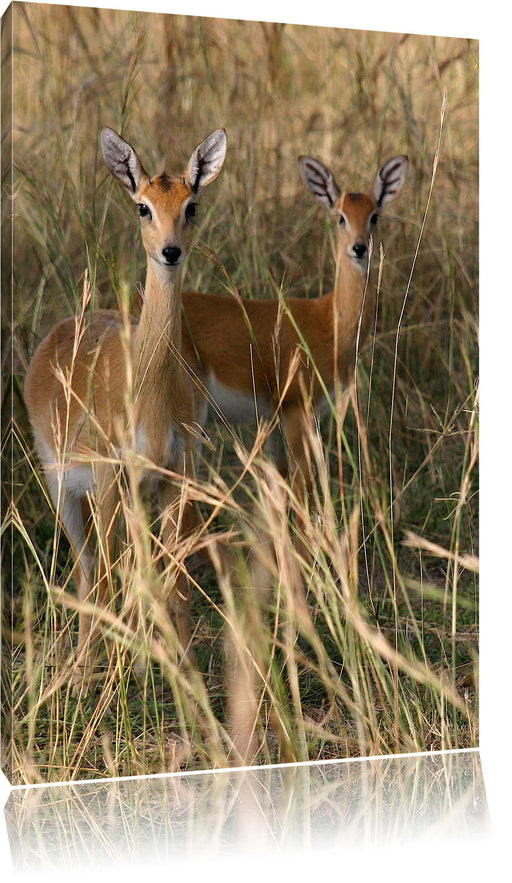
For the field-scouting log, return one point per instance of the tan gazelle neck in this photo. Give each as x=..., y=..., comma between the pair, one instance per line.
x=83, y=378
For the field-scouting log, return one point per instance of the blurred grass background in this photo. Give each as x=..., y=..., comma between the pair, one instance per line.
x=403, y=574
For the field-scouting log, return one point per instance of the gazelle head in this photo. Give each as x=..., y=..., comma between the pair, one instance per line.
x=356, y=213
x=167, y=203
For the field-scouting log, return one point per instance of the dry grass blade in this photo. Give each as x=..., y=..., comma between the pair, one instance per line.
x=468, y=562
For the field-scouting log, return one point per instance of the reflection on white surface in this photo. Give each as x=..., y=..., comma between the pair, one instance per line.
x=312, y=807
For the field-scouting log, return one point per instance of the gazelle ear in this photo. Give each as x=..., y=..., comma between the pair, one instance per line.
x=390, y=180
x=122, y=160
x=206, y=161
x=319, y=180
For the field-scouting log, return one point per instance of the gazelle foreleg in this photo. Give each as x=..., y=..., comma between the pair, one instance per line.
x=296, y=428
x=102, y=510
x=179, y=520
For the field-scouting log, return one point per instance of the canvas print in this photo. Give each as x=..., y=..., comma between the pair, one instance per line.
x=240, y=393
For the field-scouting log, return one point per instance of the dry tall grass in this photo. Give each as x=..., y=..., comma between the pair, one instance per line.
x=370, y=645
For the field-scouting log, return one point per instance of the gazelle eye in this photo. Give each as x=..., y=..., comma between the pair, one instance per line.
x=374, y=218
x=144, y=210
x=190, y=211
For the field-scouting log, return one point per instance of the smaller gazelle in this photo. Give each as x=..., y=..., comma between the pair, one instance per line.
x=85, y=380
x=255, y=357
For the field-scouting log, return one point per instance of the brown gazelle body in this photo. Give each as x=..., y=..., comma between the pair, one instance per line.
x=256, y=357
x=95, y=388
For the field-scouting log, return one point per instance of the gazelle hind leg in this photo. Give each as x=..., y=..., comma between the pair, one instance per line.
x=74, y=512
x=69, y=506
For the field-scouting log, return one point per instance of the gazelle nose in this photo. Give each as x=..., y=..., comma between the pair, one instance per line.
x=359, y=249
x=171, y=254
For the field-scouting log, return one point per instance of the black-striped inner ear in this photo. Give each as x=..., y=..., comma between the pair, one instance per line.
x=318, y=182
x=131, y=178
x=391, y=179
x=202, y=168
x=194, y=184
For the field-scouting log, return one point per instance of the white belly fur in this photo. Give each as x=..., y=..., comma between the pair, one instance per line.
x=236, y=406
x=243, y=407
x=175, y=448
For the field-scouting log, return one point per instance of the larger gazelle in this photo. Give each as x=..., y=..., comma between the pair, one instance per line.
x=255, y=357
x=86, y=381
